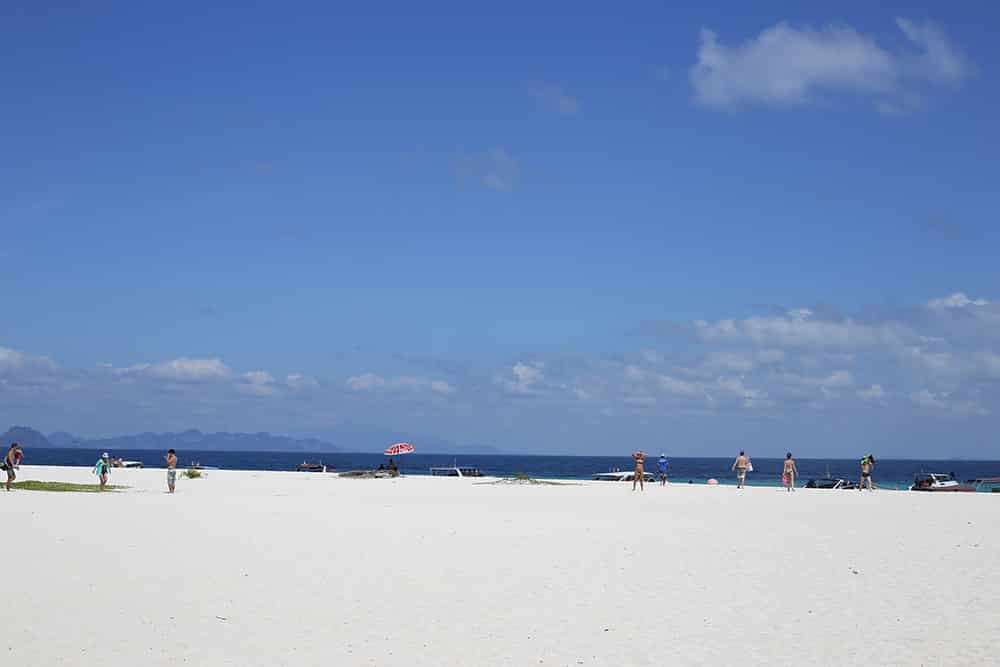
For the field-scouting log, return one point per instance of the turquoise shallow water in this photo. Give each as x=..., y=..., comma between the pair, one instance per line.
x=888, y=473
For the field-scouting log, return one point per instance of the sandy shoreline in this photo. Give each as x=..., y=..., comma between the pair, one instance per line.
x=296, y=568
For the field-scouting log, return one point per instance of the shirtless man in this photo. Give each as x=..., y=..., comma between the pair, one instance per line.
x=867, y=463
x=740, y=466
x=640, y=475
x=171, y=459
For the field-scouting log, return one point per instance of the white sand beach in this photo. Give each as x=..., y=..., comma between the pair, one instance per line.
x=255, y=568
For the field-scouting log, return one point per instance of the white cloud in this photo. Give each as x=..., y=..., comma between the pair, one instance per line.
x=371, y=381
x=680, y=387
x=946, y=403
x=836, y=379
x=956, y=300
x=495, y=169
x=14, y=361
x=873, y=393
x=258, y=383
x=938, y=60
x=787, y=65
x=735, y=386
x=181, y=370
x=365, y=382
x=799, y=328
x=526, y=378
x=298, y=382
x=553, y=97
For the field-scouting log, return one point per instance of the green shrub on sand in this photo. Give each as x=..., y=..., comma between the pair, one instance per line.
x=63, y=487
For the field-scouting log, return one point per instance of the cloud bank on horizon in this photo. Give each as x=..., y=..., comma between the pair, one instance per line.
x=933, y=362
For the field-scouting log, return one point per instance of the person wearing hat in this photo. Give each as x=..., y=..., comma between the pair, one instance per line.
x=662, y=466
x=101, y=469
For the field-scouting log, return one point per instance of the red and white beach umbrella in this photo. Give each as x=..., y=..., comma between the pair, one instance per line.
x=399, y=449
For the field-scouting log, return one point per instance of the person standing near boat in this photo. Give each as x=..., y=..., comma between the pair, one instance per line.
x=789, y=473
x=171, y=459
x=867, y=464
x=640, y=475
x=662, y=466
x=740, y=465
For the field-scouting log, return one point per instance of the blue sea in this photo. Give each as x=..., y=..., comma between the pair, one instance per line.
x=888, y=473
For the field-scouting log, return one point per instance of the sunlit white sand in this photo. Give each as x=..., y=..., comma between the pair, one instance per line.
x=248, y=568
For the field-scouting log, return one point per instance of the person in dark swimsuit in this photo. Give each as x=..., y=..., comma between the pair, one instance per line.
x=102, y=468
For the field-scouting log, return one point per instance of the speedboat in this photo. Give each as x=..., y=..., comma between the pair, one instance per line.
x=310, y=467
x=938, y=481
x=622, y=476
x=130, y=464
x=830, y=483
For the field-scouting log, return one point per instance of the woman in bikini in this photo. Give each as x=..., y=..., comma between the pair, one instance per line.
x=640, y=475
x=789, y=472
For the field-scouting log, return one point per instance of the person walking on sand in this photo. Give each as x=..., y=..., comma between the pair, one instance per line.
x=867, y=464
x=101, y=469
x=789, y=473
x=171, y=459
x=662, y=466
x=11, y=461
x=740, y=466
x=639, y=476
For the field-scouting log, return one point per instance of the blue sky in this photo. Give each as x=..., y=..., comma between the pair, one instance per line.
x=574, y=229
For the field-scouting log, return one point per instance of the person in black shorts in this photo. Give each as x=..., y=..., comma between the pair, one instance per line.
x=867, y=464
x=11, y=461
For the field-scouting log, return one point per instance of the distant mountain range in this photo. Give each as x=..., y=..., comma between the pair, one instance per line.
x=359, y=439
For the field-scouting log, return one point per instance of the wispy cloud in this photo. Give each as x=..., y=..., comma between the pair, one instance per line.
x=180, y=370
x=787, y=65
x=523, y=378
x=496, y=169
x=372, y=382
x=553, y=97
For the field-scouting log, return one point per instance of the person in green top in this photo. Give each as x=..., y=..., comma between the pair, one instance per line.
x=867, y=465
x=101, y=469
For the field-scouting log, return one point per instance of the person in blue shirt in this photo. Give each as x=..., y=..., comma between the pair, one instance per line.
x=662, y=467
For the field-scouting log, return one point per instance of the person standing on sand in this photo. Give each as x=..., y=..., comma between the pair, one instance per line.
x=171, y=459
x=101, y=469
x=789, y=473
x=639, y=476
x=11, y=461
x=662, y=467
x=740, y=466
x=867, y=464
